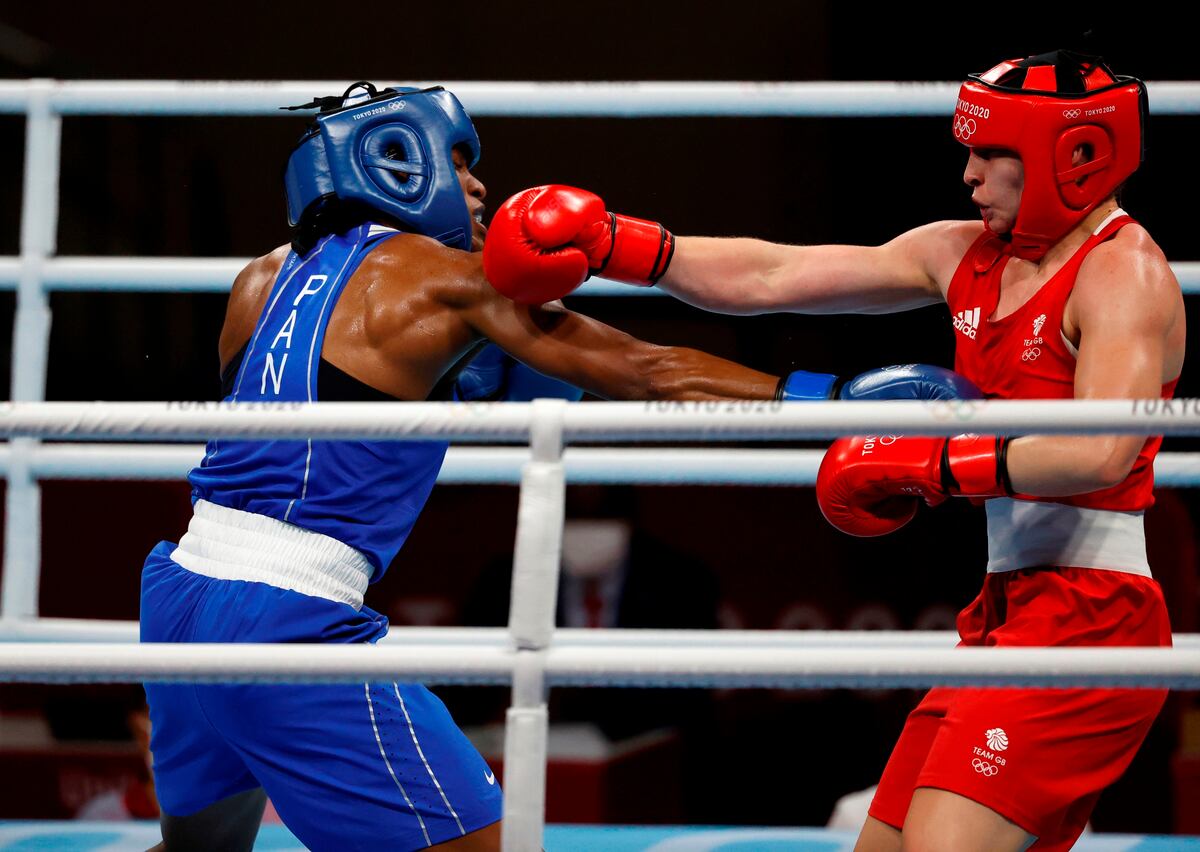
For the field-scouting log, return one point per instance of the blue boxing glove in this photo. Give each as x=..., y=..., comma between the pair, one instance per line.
x=494, y=375
x=485, y=377
x=526, y=384
x=903, y=381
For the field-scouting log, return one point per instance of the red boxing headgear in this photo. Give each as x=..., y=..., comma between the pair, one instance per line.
x=1043, y=108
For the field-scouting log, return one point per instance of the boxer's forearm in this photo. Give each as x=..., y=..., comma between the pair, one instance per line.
x=744, y=276
x=1066, y=465
x=729, y=276
x=676, y=373
x=605, y=361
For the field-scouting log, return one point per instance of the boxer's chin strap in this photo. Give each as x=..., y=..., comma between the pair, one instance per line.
x=332, y=102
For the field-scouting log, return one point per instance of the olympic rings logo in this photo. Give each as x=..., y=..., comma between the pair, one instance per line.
x=953, y=409
x=1071, y=113
x=985, y=768
x=1031, y=354
x=964, y=128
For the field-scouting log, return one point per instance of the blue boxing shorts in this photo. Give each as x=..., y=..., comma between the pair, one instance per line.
x=347, y=766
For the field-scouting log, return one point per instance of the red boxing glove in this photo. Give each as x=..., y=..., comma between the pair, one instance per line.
x=544, y=242
x=871, y=486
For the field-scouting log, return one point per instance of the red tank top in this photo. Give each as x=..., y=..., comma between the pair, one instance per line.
x=1025, y=355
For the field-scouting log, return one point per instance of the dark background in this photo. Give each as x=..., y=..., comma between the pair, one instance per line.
x=747, y=557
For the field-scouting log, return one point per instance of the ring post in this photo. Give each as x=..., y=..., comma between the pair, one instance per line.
x=531, y=627
x=31, y=345
x=22, y=535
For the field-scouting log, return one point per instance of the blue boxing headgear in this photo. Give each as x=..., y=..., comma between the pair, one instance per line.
x=391, y=151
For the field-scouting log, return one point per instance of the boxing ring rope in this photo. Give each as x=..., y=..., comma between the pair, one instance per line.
x=524, y=654
x=215, y=275
x=502, y=465
x=610, y=422
x=68, y=630
x=535, y=99
x=627, y=664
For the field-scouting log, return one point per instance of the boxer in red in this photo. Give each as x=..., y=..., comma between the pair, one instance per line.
x=1057, y=293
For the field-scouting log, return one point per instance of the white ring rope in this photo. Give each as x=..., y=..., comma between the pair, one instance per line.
x=215, y=275
x=598, y=421
x=100, y=630
x=626, y=665
x=502, y=465
x=548, y=99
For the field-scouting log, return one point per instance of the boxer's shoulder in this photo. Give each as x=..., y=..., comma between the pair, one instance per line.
x=246, y=299
x=1130, y=254
x=411, y=261
x=258, y=275
x=1130, y=265
x=409, y=282
x=402, y=249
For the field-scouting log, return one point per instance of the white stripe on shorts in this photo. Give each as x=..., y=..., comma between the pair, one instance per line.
x=388, y=764
x=428, y=768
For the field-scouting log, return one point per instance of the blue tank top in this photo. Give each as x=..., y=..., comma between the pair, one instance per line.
x=366, y=494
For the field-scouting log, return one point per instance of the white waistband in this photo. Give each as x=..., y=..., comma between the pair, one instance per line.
x=1030, y=534
x=229, y=544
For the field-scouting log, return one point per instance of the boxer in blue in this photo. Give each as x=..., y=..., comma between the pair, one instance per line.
x=379, y=296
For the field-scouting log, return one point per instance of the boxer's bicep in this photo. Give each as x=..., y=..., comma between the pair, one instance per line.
x=1122, y=328
x=855, y=279
x=1120, y=357
x=1125, y=311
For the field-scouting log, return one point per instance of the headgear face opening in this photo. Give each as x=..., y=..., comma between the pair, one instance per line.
x=1044, y=108
x=390, y=150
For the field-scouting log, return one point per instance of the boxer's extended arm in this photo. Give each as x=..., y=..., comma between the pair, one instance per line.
x=607, y=362
x=591, y=355
x=1129, y=312
x=745, y=276
x=545, y=241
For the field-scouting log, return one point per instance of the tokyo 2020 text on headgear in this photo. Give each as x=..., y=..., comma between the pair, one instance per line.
x=1044, y=108
x=390, y=150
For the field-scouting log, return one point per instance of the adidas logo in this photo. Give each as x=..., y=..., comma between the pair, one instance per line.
x=967, y=322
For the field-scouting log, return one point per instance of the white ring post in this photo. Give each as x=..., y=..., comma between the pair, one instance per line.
x=39, y=225
x=22, y=535
x=531, y=627
x=31, y=346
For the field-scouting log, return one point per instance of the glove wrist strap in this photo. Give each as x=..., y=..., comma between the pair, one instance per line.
x=639, y=253
x=976, y=466
x=802, y=385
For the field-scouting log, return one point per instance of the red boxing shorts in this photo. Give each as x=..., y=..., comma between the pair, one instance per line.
x=1038, y=757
